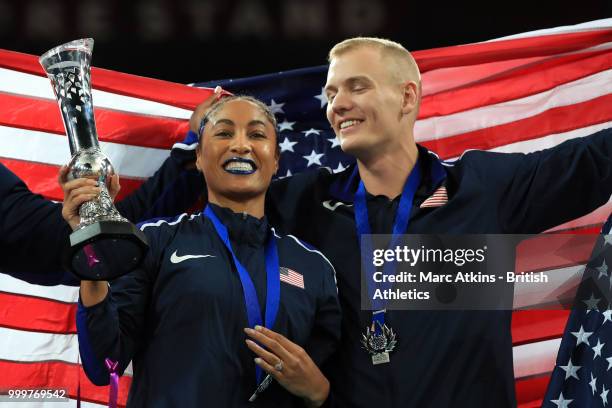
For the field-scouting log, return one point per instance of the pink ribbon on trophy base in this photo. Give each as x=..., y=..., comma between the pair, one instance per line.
x=114, y=382
x=92, y=259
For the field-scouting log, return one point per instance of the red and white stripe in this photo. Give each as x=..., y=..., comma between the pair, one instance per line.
x=516, y=94
x=437, y=199
x=291, y=277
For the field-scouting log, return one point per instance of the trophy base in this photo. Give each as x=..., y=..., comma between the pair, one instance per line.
x=106, y=250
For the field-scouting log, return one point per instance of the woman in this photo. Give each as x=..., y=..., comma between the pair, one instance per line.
x=186, y=318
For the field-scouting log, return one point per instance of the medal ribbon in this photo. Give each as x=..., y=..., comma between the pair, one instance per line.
x=114, y=382
x=248, y=288
x=400, y=225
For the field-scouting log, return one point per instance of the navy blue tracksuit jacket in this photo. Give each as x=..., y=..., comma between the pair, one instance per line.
x=181, y=321
x=442, y=359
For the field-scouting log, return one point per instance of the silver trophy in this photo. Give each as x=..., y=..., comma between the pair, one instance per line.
x=105, y=244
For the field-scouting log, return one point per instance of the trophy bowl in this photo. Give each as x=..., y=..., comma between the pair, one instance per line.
x=104, y=245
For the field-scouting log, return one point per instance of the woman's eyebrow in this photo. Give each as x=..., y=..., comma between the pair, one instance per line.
x=231, y=123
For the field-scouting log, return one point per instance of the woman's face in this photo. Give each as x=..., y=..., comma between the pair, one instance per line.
x=238, y=153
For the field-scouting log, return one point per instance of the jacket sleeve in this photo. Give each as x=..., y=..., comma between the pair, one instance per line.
x=291, y=202
x=33, y=234
x=325, y=334
x=116, y=327
x=556, y=185
x=172, y=190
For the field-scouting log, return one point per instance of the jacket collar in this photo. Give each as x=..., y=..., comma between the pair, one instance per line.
x=242, y=228
x=434, y=175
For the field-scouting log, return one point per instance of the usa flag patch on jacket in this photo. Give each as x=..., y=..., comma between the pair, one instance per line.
x=437, y=199
x=291, y=277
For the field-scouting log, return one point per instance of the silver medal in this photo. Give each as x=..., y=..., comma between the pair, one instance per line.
x=261, y=387
x=379, y=345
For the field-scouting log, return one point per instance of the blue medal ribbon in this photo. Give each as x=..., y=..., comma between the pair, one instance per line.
x=248, y=288
x=400, y=225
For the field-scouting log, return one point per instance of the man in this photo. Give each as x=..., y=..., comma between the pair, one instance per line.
x=442, y=359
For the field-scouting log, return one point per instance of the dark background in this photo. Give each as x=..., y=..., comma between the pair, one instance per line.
x=192, y=41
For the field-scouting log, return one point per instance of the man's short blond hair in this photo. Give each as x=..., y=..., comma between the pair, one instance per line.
x=404, y=66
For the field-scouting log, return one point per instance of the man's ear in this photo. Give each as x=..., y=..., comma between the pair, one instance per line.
x=276, y=159
x=410, y=96
x=277, y=154
x=198, y=156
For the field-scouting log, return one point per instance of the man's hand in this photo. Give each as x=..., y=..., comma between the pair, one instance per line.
x=78, y=191
x=289, y=364
x=201, y=110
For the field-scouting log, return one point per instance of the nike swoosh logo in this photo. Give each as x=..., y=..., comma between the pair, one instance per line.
x=332, y=207
x=174, y=258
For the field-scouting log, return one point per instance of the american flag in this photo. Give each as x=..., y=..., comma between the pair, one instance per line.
x=291, y=277
x=517, y=94
x=437, y=199
x=582, y=375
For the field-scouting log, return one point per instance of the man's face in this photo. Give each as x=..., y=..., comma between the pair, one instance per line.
x=238, y=153
x=364, y=101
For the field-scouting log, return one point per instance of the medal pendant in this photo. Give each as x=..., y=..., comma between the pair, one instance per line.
x=380, y=344
x=261, y=387
x=380, y=358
